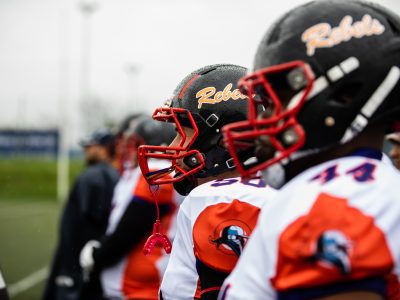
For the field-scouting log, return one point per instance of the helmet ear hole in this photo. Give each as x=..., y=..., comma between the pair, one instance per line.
x=345, y=95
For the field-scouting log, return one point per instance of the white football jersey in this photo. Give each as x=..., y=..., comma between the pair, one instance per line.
x=334, y=225
x=213, y=225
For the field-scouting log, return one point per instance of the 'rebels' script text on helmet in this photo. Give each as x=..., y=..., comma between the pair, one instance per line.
x=322, y=35
x=209, y=95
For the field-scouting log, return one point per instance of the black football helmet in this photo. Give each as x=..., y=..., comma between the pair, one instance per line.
x=128, y=122
x=322, y=74
x=141, y=130
x=205, y=100
x=152, y=132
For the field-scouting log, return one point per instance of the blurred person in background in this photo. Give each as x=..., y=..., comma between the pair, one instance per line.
x=84, y=218
x=394, y=153
x=3, y=289
x=126, y=273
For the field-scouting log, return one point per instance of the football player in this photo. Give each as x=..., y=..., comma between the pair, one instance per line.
x=220, y=210
x=327, y=75
x=125, y=272
x=84, y=218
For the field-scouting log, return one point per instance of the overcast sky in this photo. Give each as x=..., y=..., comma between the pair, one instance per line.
x=137, y=52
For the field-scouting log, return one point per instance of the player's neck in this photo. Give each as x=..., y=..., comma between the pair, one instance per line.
x=229, y=174
x=372, y=139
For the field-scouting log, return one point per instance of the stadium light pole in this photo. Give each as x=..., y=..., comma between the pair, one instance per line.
x=87, y=8
x=63, y=147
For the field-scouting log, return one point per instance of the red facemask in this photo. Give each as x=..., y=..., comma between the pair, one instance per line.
x=175, y=154
x=279, y=92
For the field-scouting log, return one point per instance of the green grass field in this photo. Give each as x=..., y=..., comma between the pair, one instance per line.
x=29, y=217
x=28, y=231
x=31, y=179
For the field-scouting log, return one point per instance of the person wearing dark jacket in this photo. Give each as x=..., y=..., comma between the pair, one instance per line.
x=84, y=218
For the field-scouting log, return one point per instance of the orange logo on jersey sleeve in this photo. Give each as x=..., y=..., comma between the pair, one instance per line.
x=221, y=231
x=333, y=242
